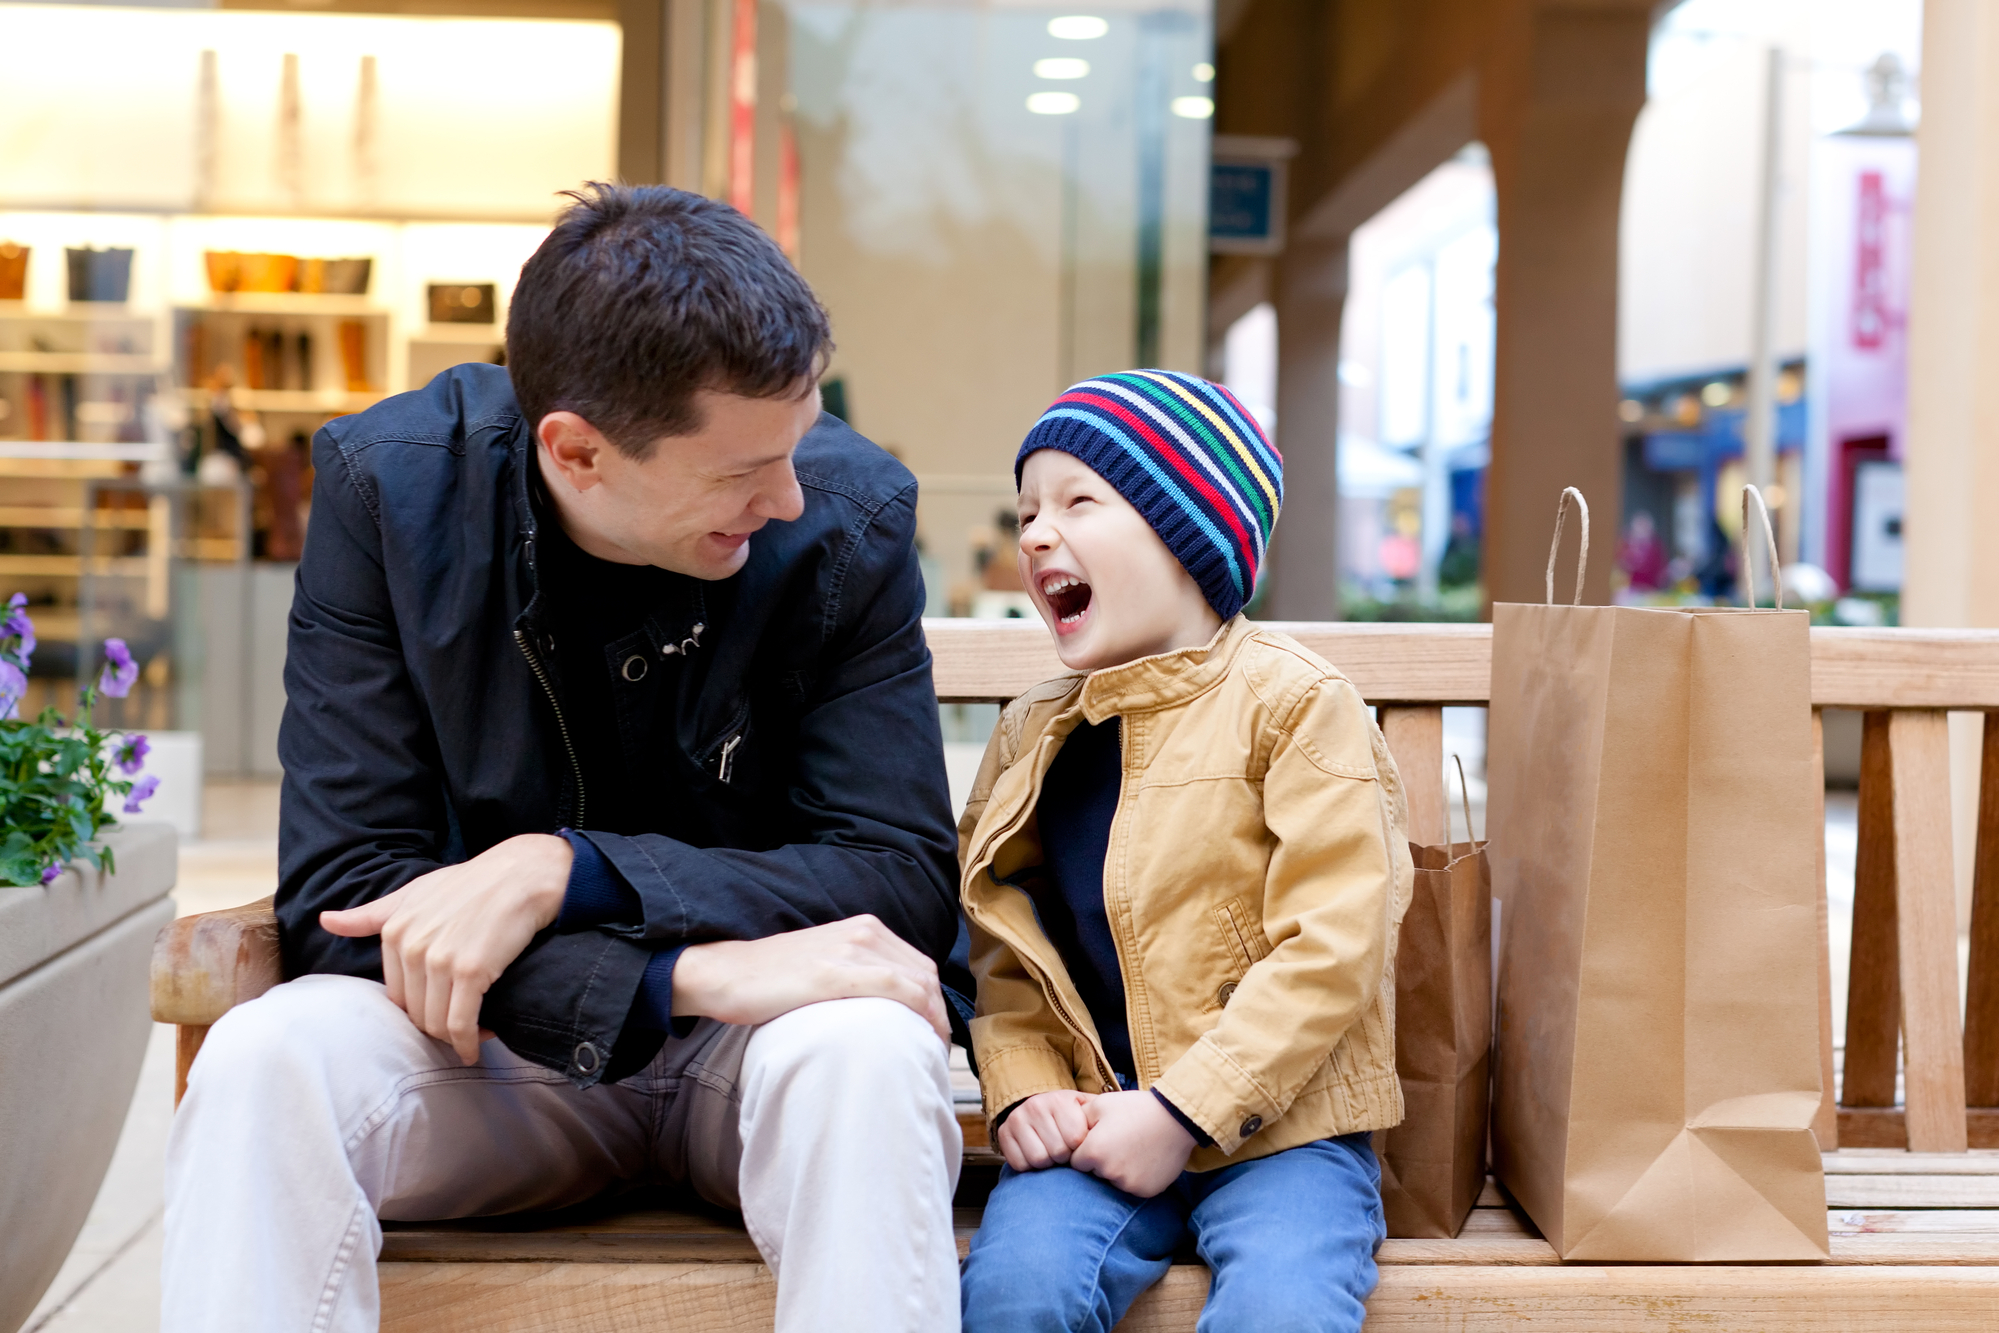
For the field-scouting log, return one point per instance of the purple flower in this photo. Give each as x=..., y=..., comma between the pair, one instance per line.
x=50, y=871
x=142, y=791
x=19, y=627
x=120, y=671
x=131, y=753
x=13, y=684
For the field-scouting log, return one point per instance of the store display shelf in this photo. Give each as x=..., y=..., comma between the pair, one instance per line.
x=289, y=303
x=71, y=516
x=78, y=312
x=71, y=566
x=488, y=335
x=78, y=363
x=142, y=452
x=293, y=400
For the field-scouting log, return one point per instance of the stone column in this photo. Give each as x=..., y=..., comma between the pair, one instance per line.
x=1950, y=575
x=1303, y=568
x=1559, y=91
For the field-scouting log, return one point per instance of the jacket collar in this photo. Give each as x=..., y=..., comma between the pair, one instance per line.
x=1164, y=679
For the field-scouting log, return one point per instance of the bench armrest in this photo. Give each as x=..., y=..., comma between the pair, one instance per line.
x=206, y=965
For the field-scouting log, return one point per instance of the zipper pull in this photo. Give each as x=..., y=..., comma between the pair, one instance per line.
x=728, y=756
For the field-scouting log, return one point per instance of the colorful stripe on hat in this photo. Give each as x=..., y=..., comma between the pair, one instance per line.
x=1189, y=457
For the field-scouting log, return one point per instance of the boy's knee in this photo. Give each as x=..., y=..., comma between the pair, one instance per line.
x=1006, y=1292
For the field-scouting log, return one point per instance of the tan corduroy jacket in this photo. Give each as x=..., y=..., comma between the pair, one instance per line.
x=1255, y=881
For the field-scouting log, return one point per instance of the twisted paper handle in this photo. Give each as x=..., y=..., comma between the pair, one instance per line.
x=1770, y=547
x=1582, y=552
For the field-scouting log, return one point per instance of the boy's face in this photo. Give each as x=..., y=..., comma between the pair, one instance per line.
x=1102, y=579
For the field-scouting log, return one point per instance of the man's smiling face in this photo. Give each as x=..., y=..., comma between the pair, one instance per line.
x=693, y=503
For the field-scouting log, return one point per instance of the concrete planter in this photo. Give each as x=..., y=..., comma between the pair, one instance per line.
x=74, y=956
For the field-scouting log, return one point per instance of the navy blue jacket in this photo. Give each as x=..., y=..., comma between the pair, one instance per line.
x=422, y=718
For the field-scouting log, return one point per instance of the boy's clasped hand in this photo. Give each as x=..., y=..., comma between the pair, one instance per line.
x=1125, y=1138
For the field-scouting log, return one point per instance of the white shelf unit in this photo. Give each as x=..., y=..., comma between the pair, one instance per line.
x=438, y=347
x=84, y=374
x=312, y=375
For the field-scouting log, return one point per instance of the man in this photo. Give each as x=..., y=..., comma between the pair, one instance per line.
x=615, y=844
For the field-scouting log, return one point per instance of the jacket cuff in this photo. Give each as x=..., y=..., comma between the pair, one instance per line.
x=597, y=894
x=585, y=1038
x=1201, y=1139
x=652, y=1007
x=1218, y=1094
x=1014, y=1073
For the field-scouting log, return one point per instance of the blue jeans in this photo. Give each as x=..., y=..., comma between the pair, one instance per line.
x=1290, y=1239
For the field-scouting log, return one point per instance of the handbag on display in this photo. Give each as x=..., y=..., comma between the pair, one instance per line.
x=1653, y=816
x=1433, y=1163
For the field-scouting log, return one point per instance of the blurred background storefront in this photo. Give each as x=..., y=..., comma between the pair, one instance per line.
x=1454, y=255
x=220, y=228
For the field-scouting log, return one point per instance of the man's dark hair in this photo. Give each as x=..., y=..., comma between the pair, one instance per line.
x=641, y=297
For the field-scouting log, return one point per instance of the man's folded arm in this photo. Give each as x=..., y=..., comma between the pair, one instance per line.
x=363, y=810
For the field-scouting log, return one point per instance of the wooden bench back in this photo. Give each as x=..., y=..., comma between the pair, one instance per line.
x=1903, y=977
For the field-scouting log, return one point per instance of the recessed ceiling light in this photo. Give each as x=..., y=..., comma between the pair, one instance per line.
x=1204, y=73
x=1077, y=27
x=1061, y=67
x=1194, y=108
x=1053, y=104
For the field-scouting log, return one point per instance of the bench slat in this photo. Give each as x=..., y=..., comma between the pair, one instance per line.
x=986, y=660
x=638, y=1298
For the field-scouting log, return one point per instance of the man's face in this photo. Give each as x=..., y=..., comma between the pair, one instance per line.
x=692, y=504
x=1107, y=586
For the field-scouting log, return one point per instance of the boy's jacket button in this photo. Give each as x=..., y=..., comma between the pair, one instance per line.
x=1250, y=1126
x=1226, y=993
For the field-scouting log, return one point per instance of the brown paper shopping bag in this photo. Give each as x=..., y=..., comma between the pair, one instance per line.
x=1653, y=825
x=1433, y=1163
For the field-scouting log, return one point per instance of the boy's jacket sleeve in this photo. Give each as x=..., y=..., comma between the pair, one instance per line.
x=1339, y=875
x=1023, y=1047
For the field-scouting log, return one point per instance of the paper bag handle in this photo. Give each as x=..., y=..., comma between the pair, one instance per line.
x=1464, y=794
x=1582, y=552
x=1770, y=546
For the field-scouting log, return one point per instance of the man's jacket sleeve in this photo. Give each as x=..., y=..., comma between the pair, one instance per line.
x=364, y=809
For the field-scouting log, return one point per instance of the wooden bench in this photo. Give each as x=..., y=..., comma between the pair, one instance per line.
x=1915, y=1233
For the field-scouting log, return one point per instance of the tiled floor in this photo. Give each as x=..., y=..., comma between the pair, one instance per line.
x=111, y=1283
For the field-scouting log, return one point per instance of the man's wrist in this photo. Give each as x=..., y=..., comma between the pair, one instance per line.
x=543, y=861
x=693, y=979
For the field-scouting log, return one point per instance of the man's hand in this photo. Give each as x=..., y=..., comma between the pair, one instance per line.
x=447, y=935
x=1134, y=1143
x=1044, y=1130
x=754, y=981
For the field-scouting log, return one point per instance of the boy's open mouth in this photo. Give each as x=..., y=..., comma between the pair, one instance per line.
x=1068, y=596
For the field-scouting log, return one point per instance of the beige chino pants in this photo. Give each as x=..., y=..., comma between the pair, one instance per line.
x=319, y=1108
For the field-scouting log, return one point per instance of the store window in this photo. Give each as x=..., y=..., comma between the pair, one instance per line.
x=217, y=232
x=227, y=226
x=995, y=201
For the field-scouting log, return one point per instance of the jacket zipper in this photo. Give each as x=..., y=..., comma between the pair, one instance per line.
x=575, y=764
x=1097, y=1056
x=728, y=757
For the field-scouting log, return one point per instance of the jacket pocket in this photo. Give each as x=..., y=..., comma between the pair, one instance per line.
x=1243, y=935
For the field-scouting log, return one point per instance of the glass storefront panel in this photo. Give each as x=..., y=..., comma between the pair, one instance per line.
x=996, y=201
x=226, y=227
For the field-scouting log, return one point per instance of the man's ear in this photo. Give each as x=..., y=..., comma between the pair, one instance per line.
x=575, y=447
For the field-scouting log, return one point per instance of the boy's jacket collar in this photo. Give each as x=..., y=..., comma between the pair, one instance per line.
x=1163, y=679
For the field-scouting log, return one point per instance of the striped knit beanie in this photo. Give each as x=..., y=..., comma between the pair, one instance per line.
x=1189, y=457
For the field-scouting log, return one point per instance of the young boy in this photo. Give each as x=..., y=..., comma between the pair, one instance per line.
x=1184, y=869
